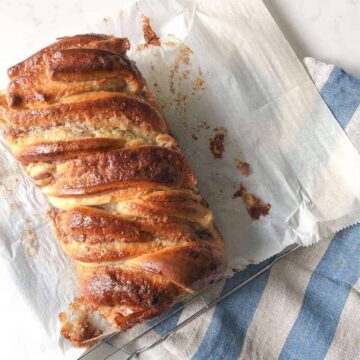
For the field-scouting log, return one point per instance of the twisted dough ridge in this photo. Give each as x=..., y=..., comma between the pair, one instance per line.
x=79, y=117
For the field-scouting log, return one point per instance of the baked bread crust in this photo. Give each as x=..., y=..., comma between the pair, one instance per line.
x=125, y=207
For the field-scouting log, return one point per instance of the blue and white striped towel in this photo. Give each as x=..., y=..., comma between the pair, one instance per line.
x=307, y=306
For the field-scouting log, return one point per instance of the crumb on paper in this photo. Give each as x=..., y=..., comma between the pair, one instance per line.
x=184, y=53
x=240, y=192
x=184, y=124
x=216, y=144
x=8, y=190
x=13, y=207
x=199, y=82
x=49, y=213
x=203, y=125
x=243, y=166
x=29, y=240
x=140, y=47
x=76, y=324
x=221, y=130
x=186, y=74
x=180, y=99
x=183, y=58
x=183, y=78
x=254, y=206
x=179, y=77
x=170, y=43
x=150, y=36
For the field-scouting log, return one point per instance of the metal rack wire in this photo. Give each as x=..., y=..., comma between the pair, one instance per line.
x=109, y=349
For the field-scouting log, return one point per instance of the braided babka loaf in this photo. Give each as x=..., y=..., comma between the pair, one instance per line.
x=125, y=207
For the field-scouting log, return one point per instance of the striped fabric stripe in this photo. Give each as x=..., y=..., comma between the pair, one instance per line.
x=226, y=333
x=192, y=336
x=285, y=289
x=331, y=282
x=341, y=93
x=344, y=345
x=167, y=325
x=353, y=130
x=324, y=299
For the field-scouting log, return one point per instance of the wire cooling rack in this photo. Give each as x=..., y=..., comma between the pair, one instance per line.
x=128, y=345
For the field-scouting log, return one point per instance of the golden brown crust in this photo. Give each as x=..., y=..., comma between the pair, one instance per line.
x=48, y=151
x=91, y=64
x=125, y=285
x=51, y=74
x=162, y=205
x=98, y=41
x=80, y=118
x=191, y=266
x=125, y=317
x=98, y=172
x=37, y=89
x=94, y=109
x=82, y=231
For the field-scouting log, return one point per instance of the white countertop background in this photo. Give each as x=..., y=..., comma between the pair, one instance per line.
x=325, y=29
x=328, y=30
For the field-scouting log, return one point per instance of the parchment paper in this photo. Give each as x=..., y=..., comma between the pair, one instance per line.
x=222, y=64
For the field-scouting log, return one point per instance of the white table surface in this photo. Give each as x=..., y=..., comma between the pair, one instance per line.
x=326, y=29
